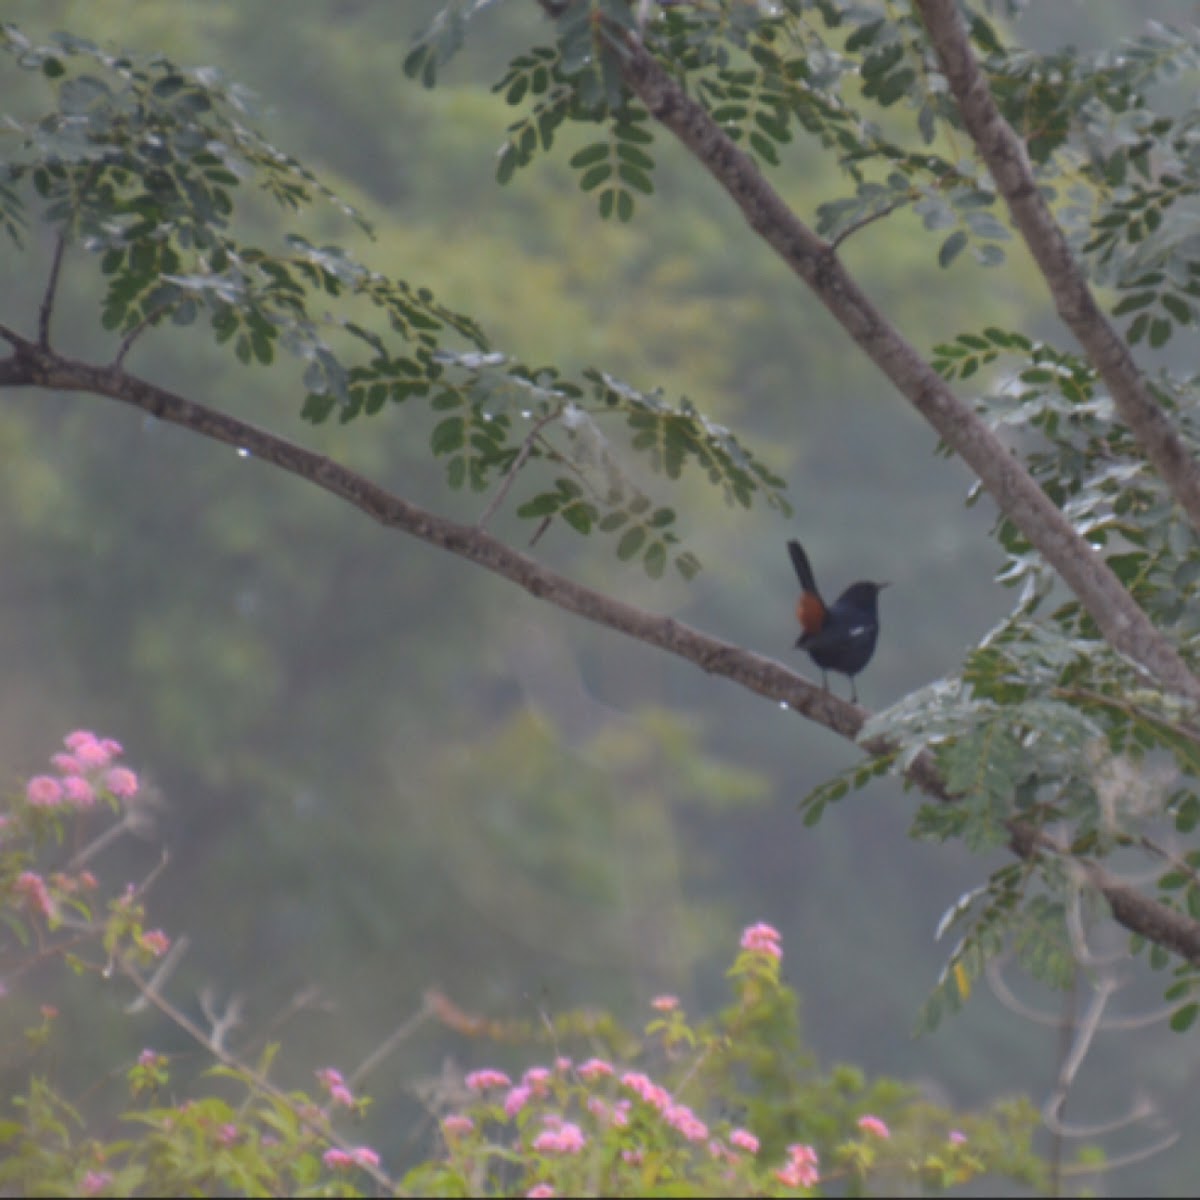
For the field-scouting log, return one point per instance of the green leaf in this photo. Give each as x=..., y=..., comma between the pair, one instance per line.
x=448, y=435
x=631, y=542
x=951, y=248
x=1183, y=1018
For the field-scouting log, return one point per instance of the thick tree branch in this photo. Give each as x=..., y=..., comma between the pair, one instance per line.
x=1004, y=153
x=1122, y=623
x=34, y=366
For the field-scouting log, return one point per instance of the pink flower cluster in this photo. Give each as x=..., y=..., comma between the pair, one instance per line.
x=94, y=1182
x=486, y=1079
x=343, y=1160
x=802, y=1169
x=87, y=765
x=593, y=1069
x=743, y=1139
x=874, y=1126
x=331, y=1080
x=647, y=1090
x=762, y=938
x=456, y=1125
x=154, y=940
x=560, y=1137
x=33, y=888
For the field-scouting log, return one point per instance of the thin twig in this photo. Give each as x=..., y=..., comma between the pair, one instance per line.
x=390, y=1043
x=162, y=972
x=136, y=332
x=306, y=998
x=11, y=336
x=518, y=462
x=1123, y=1160
x=1010, y=1000
x=221, y=1023
x=103, y=841
x=60, y=244
x=863, y=222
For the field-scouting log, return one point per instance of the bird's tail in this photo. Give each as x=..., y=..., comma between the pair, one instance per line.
x=803, y=567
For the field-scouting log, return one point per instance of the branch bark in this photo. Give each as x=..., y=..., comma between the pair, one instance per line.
x=1120, y=620
x=1004, y=153
x=32, y=365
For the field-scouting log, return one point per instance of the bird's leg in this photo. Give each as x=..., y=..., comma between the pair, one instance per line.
x=853, y=691
x=824, y=680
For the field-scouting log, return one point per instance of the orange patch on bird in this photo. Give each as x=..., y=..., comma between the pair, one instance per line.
x=810, y=612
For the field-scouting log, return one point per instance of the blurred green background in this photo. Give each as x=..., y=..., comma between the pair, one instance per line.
x=383, y=770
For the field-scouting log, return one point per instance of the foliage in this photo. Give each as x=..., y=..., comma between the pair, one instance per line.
x=139, y=165
x=572, y=1126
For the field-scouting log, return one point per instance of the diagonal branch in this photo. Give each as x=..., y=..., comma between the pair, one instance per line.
x=34, y=367
x=1018, y=496
x=1004, y=153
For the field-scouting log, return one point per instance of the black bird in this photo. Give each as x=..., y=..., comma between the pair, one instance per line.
x=840, y=637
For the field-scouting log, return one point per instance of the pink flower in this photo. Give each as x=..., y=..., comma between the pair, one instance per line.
x=654, y=1095
x=156, y=942
x=148, y=1058
x=874, y=1126
x=562, y=1063
x=762, y=938
x=91, y=755
x=81, y=737
x=957, y=1137
x=341, y=1160
x=541, y=1191
x=43, y=792
x=484, y=1080
x=593, y=1069
x=78, y=791
x=121, y=781
x=665, y=1003
x=33, y=887
x=516, y=1100
x=95, y=1182
x=227, y=1134
x=743, y=1139
x=66, y=764
x=111, y=747
x=456, y=1125
x=330, y=1077
x=88, y=881
x=341, y=1095
x=536, y=1079
x=632, y=1157
x=802, y=1169
x=680, y=1117
x=566, y=1138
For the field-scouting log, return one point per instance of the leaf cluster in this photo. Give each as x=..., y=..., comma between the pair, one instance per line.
x=141, y=164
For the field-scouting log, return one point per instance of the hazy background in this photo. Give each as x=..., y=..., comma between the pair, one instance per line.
x=382, y=769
